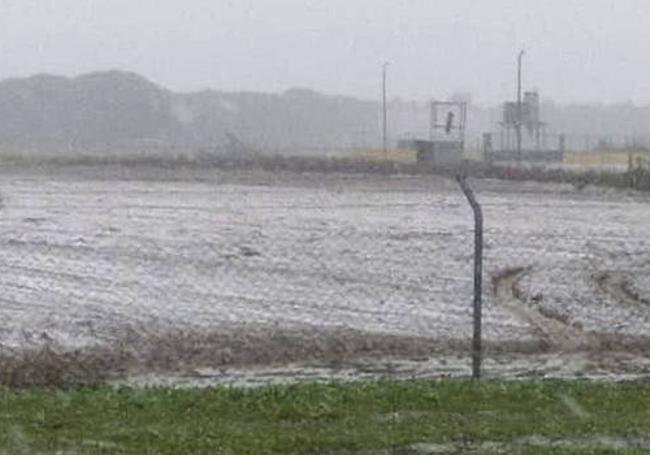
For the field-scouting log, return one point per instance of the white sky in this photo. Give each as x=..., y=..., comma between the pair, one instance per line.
x=577, y=50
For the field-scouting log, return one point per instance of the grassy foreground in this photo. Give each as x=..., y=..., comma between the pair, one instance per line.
x=377, y=417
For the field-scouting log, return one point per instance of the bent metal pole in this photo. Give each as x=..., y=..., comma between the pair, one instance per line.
x=478, y=274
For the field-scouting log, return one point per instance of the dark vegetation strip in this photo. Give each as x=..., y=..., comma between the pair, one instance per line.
x=312, y=418
x=637, y=178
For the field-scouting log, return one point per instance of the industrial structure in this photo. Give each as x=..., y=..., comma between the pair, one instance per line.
x=523, y=134
x=446, y=143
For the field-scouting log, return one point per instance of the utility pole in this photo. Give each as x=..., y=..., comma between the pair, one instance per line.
x=384, y=136
x=519, y=109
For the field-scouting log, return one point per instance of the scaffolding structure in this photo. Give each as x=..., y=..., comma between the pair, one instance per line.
x=528, y=119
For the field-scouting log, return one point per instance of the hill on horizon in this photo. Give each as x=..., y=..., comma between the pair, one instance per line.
x=122, y=111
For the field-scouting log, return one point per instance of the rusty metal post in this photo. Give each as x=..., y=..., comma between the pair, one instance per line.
x=478, y=274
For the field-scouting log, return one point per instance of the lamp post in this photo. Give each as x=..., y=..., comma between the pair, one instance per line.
x=519, y=110
x=384, y=139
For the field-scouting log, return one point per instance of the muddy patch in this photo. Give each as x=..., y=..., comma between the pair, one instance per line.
x=257, y=355
x=195, y=353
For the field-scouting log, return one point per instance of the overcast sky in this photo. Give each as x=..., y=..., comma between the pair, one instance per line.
x=577, y=50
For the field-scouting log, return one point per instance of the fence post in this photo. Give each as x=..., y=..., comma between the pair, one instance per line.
x=478, y=274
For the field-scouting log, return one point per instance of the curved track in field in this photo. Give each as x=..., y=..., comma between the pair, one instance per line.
x=620, y=286
x=553, y=331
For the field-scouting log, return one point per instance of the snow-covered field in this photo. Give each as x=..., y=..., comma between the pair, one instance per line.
x=88, y=255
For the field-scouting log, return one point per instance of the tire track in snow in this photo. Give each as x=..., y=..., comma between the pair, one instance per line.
x=619, y=286
x=554, y=333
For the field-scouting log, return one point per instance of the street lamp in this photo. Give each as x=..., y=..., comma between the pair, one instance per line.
x=384, y=69
x=519, y=110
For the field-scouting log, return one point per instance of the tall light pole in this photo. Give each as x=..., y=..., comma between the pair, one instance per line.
x=519, y=109
x=384, y=138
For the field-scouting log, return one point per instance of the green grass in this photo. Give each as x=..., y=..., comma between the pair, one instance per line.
x=313, y=418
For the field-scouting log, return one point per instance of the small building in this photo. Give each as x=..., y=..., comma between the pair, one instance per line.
x=435, y=153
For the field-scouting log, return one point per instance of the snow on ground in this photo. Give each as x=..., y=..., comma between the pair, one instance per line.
x=89, y=255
